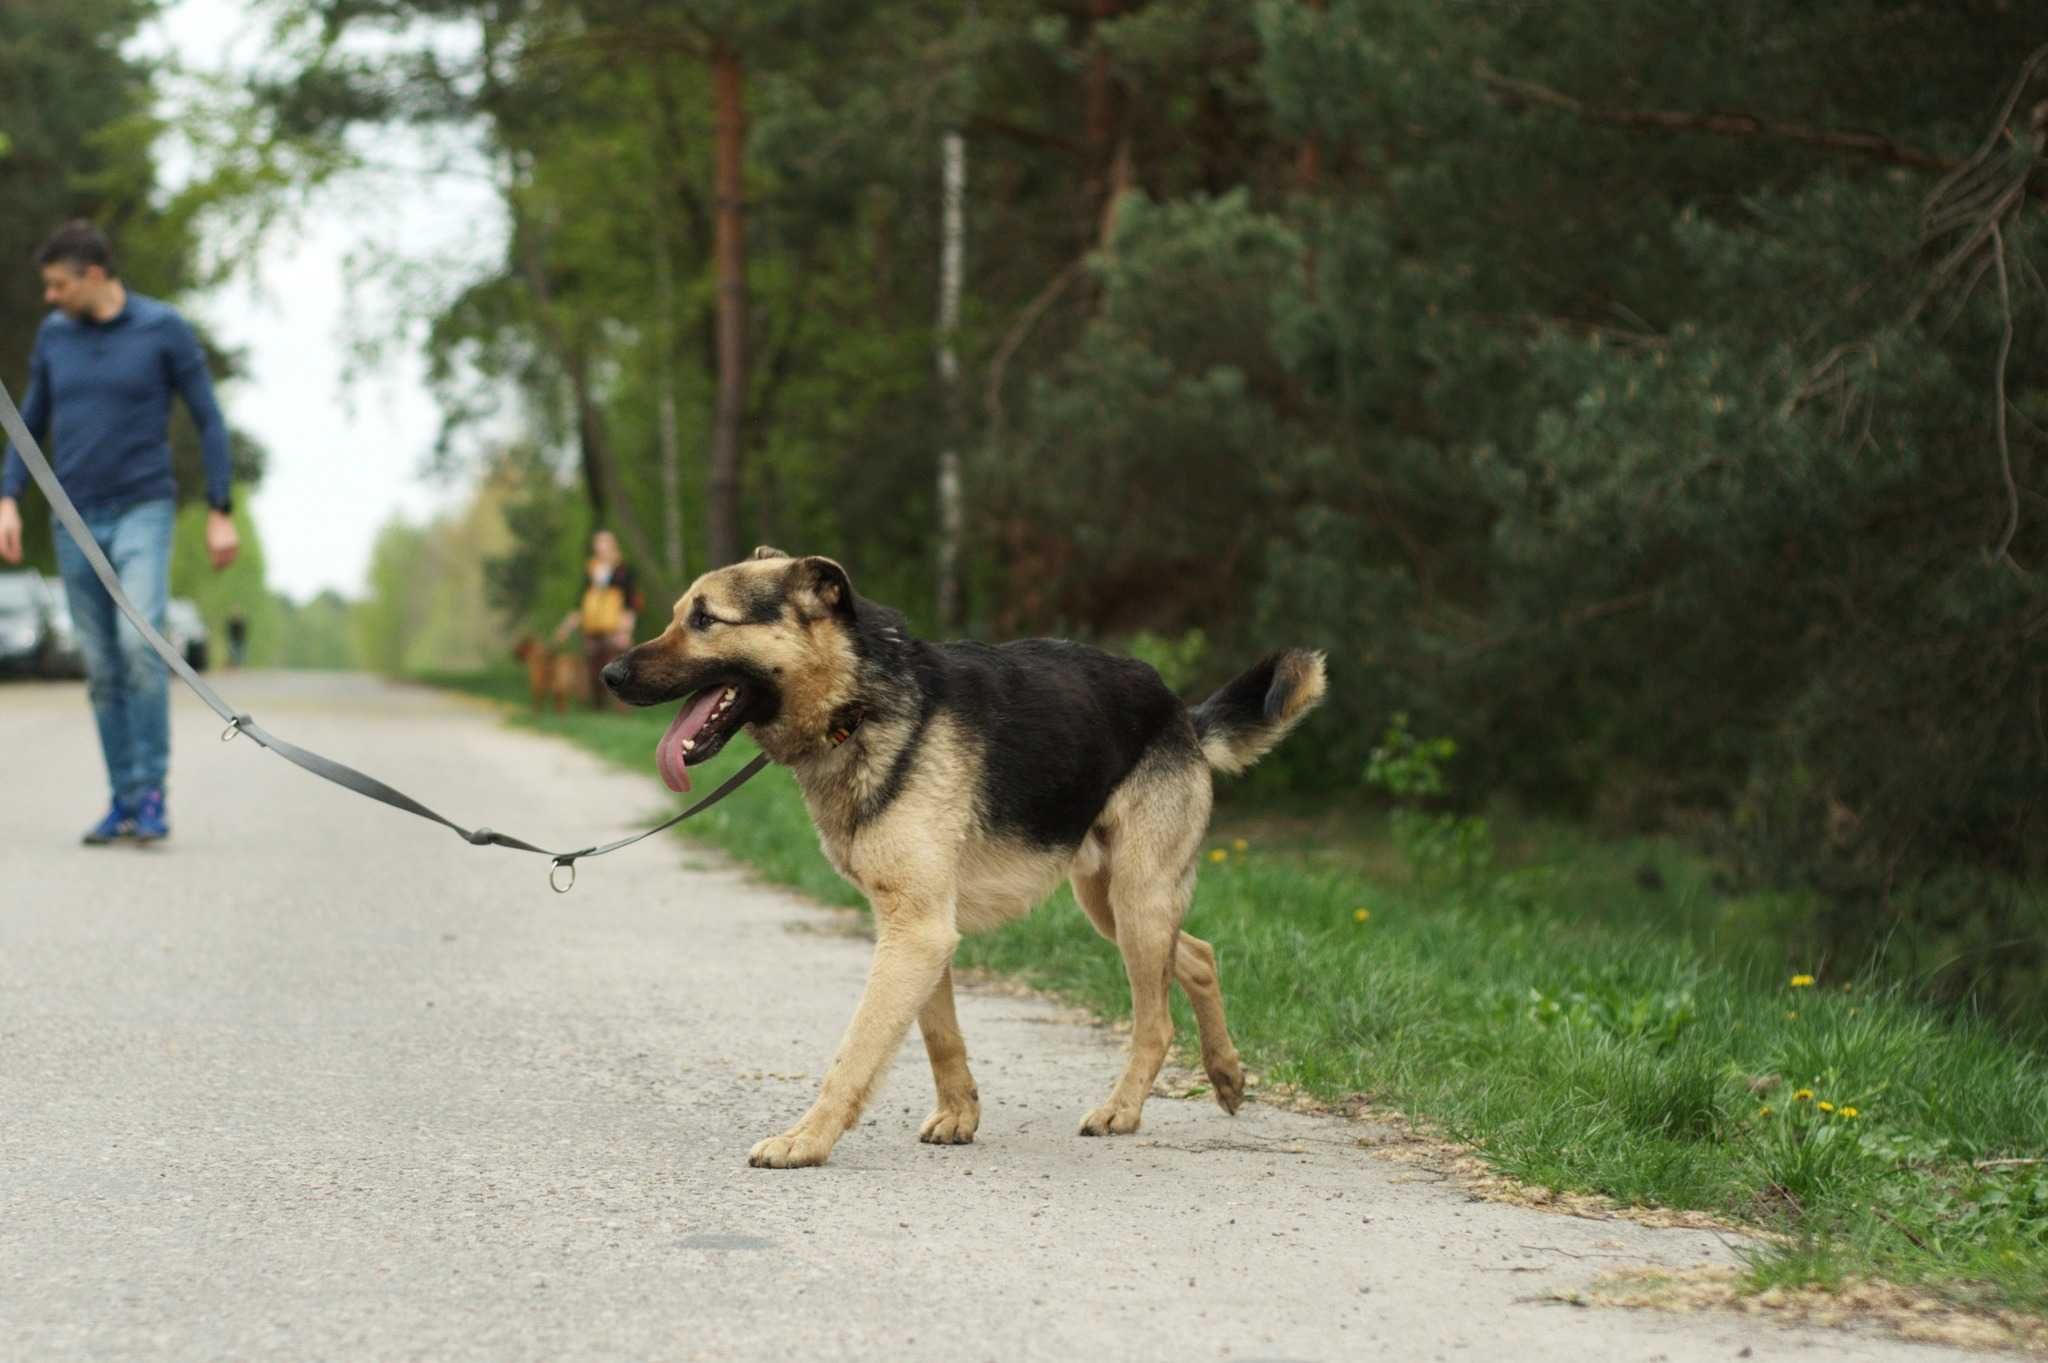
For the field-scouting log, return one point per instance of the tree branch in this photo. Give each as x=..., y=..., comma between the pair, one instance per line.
x=1021, y=328
x=2012, y=488
x=1872, y=145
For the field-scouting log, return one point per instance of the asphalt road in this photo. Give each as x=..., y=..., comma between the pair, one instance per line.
x=317, y=1081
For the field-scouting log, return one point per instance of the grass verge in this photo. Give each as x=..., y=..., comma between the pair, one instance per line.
x=1574, y=1050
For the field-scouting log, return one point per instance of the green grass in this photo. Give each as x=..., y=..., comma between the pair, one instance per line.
x=1572, y=1025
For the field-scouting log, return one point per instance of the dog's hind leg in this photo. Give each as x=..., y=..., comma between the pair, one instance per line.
x=1194, y=965
x=1146, y=918
x=954, y=1120
x=1151, y=830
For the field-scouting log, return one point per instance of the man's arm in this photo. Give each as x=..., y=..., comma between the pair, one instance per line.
x=188, y=372
x=195, y=385
x=35, y=414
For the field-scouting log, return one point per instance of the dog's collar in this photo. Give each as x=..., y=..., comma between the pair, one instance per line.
x=845, y=720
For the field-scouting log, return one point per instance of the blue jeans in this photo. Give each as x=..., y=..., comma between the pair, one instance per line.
x=126, y=681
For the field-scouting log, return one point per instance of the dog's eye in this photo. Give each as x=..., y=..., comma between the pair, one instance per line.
x=700, y=618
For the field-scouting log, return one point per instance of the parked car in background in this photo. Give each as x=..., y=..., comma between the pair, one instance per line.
x=65, y=658
x=185, y=630
x=25, y=630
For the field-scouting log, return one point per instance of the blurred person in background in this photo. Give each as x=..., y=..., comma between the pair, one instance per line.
x=106, y=363
x=604, y=613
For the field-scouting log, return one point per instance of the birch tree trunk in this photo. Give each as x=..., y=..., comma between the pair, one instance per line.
x=731, y=252
x=953, y=168
x=665, y=389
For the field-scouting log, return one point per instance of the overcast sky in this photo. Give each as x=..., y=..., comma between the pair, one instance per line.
x=347, y=449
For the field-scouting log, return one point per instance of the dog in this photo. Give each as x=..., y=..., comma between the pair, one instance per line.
x=551, y=675
x=956, y=785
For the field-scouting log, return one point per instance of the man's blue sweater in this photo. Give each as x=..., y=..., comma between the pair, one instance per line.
x=106, y=387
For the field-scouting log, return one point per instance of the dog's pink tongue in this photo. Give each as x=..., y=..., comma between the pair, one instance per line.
x=668, y=754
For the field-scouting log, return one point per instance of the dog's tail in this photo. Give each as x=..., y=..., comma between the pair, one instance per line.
x=1246, y=719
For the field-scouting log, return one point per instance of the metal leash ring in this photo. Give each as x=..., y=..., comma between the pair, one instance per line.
x=568, y=865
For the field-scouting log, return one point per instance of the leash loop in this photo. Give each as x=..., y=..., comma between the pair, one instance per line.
x=562, y=864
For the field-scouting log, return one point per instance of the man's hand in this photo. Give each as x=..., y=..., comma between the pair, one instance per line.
x=10, y=530
x=222, y=543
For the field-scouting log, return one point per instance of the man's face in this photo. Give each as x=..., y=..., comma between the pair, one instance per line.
x=71, y=290
x=604, y=545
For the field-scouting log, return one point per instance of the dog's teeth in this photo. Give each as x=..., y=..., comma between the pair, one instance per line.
x=730, y=693
x=689, y=745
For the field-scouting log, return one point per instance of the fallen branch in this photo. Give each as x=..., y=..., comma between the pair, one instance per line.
x=2002, y=1163
x=1881, y=1215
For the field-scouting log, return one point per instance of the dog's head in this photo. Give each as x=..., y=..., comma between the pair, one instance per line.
x=526, y=647
x=766, y=644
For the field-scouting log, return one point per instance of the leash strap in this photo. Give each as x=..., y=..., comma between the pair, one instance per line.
x=240, y=722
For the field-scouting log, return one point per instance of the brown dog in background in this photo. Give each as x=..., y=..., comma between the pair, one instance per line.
x=550, y=674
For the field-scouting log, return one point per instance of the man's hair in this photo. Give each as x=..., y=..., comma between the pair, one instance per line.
x=80, y=245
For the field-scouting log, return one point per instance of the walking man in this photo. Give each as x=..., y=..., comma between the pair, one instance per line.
x=105, y=364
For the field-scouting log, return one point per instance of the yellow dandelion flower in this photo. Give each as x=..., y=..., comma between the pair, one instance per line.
x=1360, y=915
x=1803, y=1096
x=1802, y=981
x=1850, y=1112
x=1240, y=845
x=1825, y=1106
x=1791, y=1016
x=1763, y=1112
x=1219, y=855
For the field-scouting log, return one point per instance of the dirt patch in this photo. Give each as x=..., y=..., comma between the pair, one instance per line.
x=1904, y=1311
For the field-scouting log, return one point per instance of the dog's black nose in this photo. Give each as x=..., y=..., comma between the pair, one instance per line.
x=614, y=674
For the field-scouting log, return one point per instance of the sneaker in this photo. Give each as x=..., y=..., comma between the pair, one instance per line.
x=117, y=822
x=150, y=823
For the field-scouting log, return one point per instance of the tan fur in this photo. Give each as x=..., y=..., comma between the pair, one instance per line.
x=560, y=677
x=933, y=870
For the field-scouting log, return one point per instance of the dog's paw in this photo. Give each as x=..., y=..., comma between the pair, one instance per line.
x=790, y=1150
x=1110, y=1120
x=1226, y=1081
x=951, y=1125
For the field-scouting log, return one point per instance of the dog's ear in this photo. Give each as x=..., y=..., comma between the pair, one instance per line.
x=821, y=587
x=767, y=551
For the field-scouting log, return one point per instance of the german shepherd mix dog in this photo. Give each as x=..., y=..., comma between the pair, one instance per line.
x=956, y=785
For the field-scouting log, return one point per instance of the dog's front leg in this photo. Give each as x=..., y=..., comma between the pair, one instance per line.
x=914, y=940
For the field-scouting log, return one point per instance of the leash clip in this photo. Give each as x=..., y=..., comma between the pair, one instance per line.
x=234, y=728
x=562, y=864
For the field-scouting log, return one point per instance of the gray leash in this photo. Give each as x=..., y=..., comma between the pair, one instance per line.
x=241, y=722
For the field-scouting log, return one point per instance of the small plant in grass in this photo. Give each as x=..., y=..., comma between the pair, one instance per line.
x=1439, y=847
x=1657, y=1017
x=1811, y=1141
